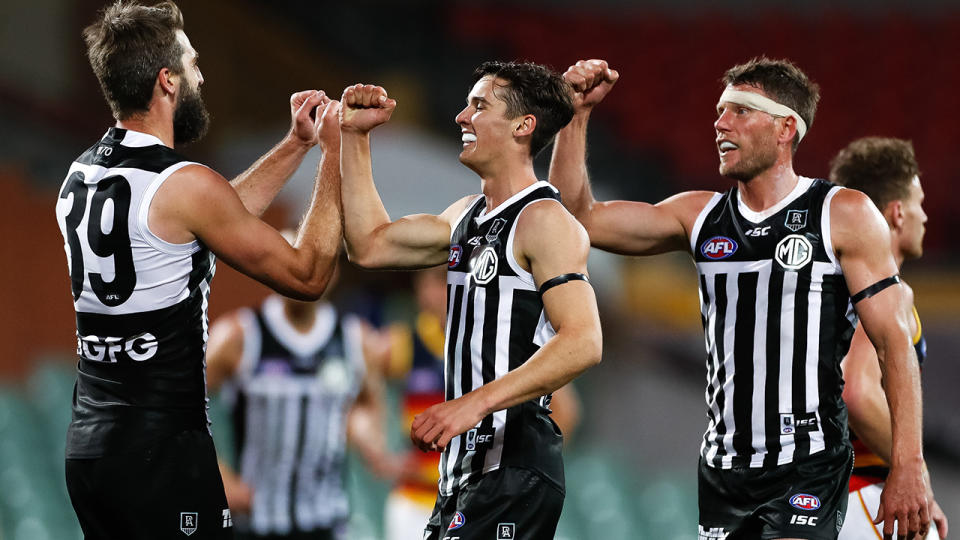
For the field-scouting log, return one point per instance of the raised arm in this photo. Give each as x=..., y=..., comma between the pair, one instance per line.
x=550, y=243
x=626, y=227
x=259, y=185
x=197, y=203
x=372, y=239
x=861, y=239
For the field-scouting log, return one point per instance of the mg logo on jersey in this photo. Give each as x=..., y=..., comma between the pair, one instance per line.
x=794, y=252
x=718, y=247
x=188, y=522
x=457, y=521
x=455, y=253
x=796, y=220
x=804, y=501
x=483, y=266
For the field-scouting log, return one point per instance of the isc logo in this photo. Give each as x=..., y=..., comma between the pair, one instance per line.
x=804, y=502
x=793, y=252
x=803, y=520
x=718, y=247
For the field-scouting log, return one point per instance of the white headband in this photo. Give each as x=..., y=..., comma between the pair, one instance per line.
x=765, y=104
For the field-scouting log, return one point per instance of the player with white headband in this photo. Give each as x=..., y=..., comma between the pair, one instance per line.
x=787, y=264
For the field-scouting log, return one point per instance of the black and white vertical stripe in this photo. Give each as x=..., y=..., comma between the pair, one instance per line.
x=493, y=328
x=774, y=339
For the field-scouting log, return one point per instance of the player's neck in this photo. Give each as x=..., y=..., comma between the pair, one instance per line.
x=499, y=185
x=769, y=187
x=301, y=315
x=150, y=125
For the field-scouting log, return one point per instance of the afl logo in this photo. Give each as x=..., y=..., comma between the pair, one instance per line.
x=457, y=521
x=718, y=247
x=483, y=266
x=794, y=252
x=454, y=259
x=804, y=501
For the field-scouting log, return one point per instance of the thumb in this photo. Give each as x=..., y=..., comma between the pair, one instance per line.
x=612, y=75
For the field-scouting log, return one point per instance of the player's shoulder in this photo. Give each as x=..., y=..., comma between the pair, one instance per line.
x=548, y=219
x=852, y=209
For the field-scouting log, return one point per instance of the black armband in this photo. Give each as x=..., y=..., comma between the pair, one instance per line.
x=560, y=280
x=875, y=288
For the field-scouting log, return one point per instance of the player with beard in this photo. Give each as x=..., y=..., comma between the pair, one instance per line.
x=141, y=226
x=786, y=266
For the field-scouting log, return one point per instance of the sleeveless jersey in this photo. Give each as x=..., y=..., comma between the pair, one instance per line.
x=495, y=322
x=870, y=468
x=141, y=302
x=290, y=400
x=777, y=321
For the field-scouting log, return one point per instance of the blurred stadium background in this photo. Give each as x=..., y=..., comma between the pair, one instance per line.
x=885, y=67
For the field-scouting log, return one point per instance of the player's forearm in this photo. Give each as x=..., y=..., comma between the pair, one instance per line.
x=559, y=361
x=568, y=166
x=363, y=210
x=870, y=420
x=319, y=236
x=901, y=383
x=259, y=184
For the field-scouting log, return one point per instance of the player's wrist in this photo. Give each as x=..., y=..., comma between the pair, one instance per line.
x=295, y=142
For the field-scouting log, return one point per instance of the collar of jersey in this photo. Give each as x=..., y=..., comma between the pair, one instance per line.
x=134, y=139
x=300, y=344
x=484, y=216
x=803, y=184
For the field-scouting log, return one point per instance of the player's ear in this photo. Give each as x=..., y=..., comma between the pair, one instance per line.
x=894, y=214
x=167, y=81
x=524, y=125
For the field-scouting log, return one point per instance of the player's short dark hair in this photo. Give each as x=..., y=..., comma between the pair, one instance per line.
x=532, y=89
x=127, y=46
x=783, y=82
x=881, y=167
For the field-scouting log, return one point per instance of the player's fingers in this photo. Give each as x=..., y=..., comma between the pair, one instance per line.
x=612, y=75
x=942, y=525
x=576, y=80
x=297, y=98
x=880, y=514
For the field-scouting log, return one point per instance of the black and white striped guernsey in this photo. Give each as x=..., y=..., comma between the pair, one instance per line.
x=290, y=399
x=777, y=321
x=495, y=322
x=141, y=302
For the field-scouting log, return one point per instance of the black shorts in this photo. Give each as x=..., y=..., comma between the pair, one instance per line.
x=170, y=490
x=797, y=500
x=506, y=504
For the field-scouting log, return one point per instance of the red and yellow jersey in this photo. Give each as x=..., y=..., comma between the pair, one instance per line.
x=422, y=351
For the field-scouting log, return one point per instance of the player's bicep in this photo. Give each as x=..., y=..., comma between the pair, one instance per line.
x=557, y=248
x=640, y=228
x=414, y=241
x=212, y=211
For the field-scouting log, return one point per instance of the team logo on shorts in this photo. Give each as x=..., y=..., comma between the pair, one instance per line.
x=718, y=247
x=506, y=531
x=457, y=521
x=803, y=501
x=454, y=259
x=188, y=522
